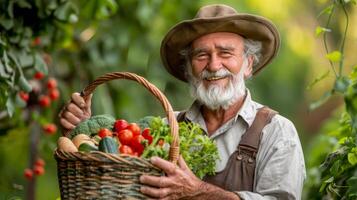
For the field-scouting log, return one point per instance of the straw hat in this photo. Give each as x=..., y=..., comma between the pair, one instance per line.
x=218, y=18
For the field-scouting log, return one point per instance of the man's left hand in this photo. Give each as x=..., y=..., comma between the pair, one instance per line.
x=178, y=183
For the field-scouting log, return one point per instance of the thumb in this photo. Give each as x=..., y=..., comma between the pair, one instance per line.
x=183, y=165
x=88, y=103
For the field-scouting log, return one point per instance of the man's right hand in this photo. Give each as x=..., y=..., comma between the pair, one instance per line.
x=76, y=111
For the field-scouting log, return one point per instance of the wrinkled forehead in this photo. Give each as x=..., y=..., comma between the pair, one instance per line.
x=219, y=40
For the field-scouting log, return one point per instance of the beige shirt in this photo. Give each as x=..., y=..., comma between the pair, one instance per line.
x=280, y=168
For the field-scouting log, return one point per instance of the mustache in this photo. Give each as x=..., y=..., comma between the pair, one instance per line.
x=220, y=73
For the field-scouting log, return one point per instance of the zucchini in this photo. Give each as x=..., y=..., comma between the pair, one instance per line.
x=86, y=147
x=108, y=145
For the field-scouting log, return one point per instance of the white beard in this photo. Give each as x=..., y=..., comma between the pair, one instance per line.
x=215, y=96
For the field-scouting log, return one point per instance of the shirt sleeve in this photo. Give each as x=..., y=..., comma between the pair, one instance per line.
x=280, y=167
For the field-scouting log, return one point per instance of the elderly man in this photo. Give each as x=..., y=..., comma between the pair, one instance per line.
x=260, y=151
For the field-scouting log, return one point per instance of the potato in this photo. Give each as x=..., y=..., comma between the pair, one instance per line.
x=81, y=138
x=66, y=145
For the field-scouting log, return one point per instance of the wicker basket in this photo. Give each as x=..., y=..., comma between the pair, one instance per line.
x=99, y=175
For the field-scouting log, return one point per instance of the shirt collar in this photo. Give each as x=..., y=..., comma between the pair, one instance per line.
x=247, y=111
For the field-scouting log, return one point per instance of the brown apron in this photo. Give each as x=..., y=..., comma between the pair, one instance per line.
x=238, y=174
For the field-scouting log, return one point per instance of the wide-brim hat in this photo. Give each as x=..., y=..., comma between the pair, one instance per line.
x=218, y=18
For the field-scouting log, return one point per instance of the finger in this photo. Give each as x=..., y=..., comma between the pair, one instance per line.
x=155, y=181
x=66, y=124
x=75, y=110
x=155, y=192
x=71, y=118
x=182, y=163
x=78, y=100
x=165, y=165
x=88, y=101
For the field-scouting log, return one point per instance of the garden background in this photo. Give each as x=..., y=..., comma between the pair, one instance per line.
x=312, y=81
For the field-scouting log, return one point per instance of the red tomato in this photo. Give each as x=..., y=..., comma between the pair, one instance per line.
x=36, y=41
x=54, y=94
x=28, y=173
x=103, y=132
x=40, y=162
x=125, y=136
x=39, y=75
x=50, y=128
x=124, y=149
x=51, y=83
x=44, y=101
x=161, y=142
x=24, y=96
x=39, y=170
x=120, y=124
x=146, y=134
x=135, y=128
x=138, y=144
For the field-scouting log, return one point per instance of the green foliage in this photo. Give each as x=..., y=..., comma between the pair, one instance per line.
x=336, y=176
x=92, y=125
x=22, y=23
x=197, y=149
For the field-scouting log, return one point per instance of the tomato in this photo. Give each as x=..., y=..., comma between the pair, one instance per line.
x=120, y=124
x=135, y=128
x=161, y=142
x=39, y=75
x=24, y=96
x=146, y=134
x=54, y=94
x=28, y=173
x=44, y=101
x=40, y=162
x=50, y=128
x=36, y=41
x=125, y=136
x=103, y=132
x=39, y=170
x=124, y=149
x=51, y=83
x=138, y=144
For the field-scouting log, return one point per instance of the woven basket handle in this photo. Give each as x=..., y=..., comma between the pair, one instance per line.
x=174, y=147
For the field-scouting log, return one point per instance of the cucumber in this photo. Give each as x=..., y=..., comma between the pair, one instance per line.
x=108, y=145
x=85, y=147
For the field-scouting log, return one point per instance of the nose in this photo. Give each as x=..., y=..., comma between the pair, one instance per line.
x=214, y=63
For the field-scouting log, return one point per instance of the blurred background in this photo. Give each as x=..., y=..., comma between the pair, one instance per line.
x=50, y=49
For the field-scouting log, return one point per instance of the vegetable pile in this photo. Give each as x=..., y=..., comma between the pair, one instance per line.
x=150, y=136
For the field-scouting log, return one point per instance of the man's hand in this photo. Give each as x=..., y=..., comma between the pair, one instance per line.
x=77, y=110
x=179, y=183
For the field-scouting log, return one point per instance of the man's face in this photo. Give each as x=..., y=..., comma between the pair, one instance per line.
x=218, y=68
x=217, y=51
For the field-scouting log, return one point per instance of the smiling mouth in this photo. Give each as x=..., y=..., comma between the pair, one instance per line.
x=215, y=78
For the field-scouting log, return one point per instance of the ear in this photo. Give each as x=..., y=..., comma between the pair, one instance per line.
x=249, y=70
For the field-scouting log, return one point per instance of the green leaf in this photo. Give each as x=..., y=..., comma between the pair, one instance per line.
x=328, y=10
x=40, y=64
x=352, y=158
x=318, y=79
x=334, y=56
x=352, y=183
x=342, y=84
x=64, y=11
x=6, y=23
x=320, y=101
x=320, y=30
x=10, y=106
x=24, y=84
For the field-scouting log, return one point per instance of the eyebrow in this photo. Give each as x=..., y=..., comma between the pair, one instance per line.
x=220, y=47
